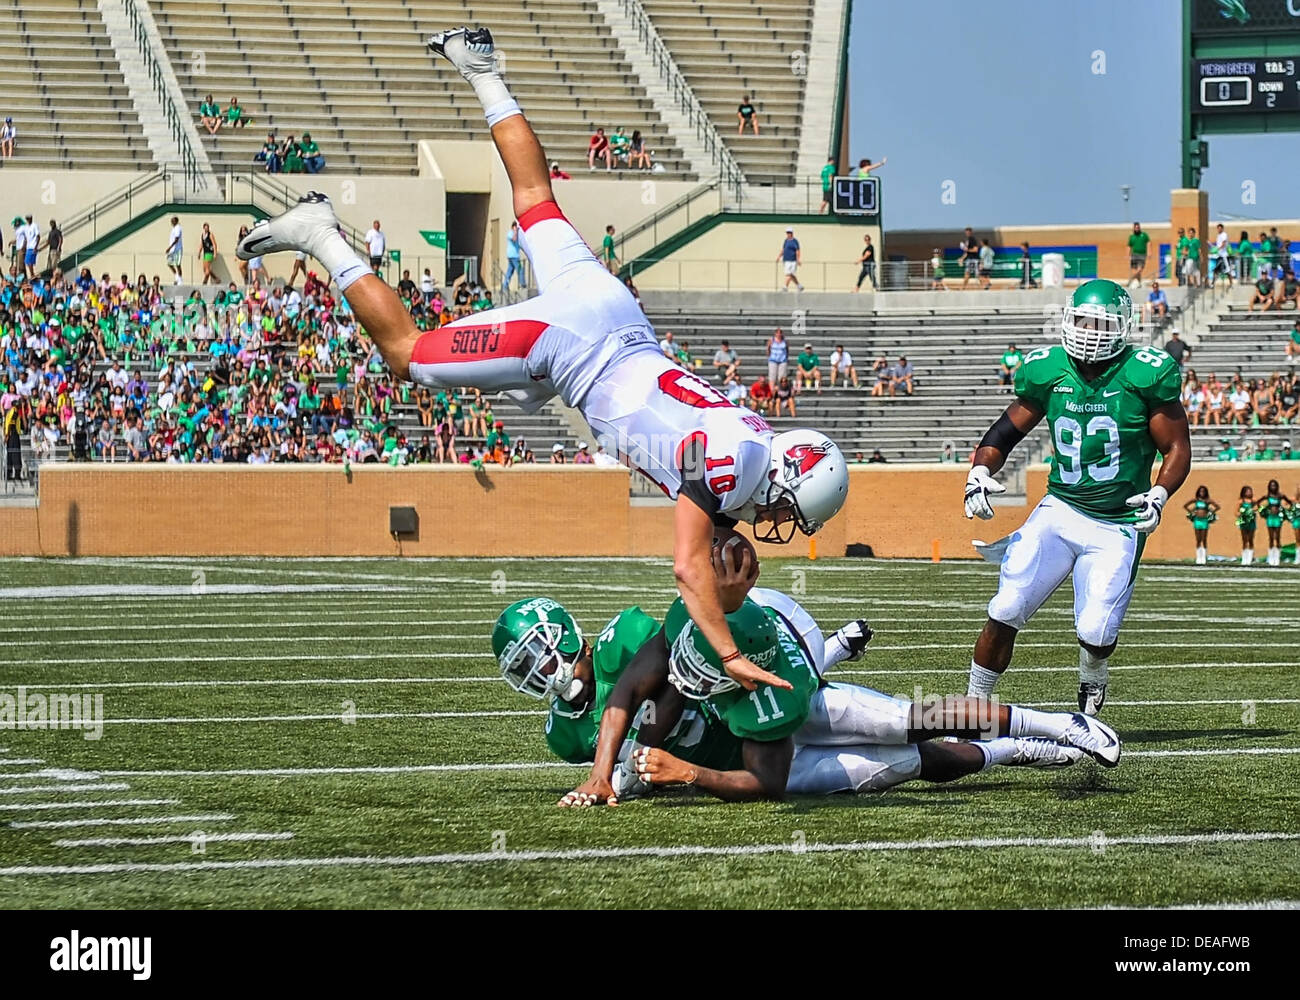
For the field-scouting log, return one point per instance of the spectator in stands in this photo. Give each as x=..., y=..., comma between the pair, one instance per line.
x=828, y=184
x=734, y=390
x=242, y=264
x=32, y=245
x=901, y=375
x=1193, y=395
x=497, y=446
x=235, y=115
x=631, y=289
x=1026, y=267
x=210, y=115
x=313, y=161
x=784, y=396
x=1156, y=306
x=1137, y=254
x=1262, y=402
x=1222, y=254
x=790, y=257
x=557, y=174
x=583, y=456
x=986, y=265
x=808, y=369
x=619, y=144
x=667, y=346
x=638, y=156
x=970, y=257
x=880, y=369
x=1192, y=265
x=608, y=254
x=1011, y=360
x=747, y=115
x=876, y=458
x=1215, y=400
x=1262, y=452
x=1177, y=348
x=948, y=456
x=1286, y=289
x=760, y=396
x=424, y=406
x=175, y=250
x=376, y=243
x=936, y=270
x=1239, y=400
x=598, y=148
x=291, y=155
x=603, y=459
x=778, y=356
x=1263, y=294
x=1293, y=344
x=54, y=247
x=686, y=359
x=868, y=261
x=1180, y=257
x=8, y=136
x=513, y=266
x=269, y=154
x=1288, y=397
x=557, y=454
x=865, y=166
x=842, y=365
x=1244, y=251
x=208, y=252
x=726, y=362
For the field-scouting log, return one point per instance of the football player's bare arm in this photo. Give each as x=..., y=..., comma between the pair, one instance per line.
x=764, y=775
x=1018, y=420
x=1169, y=432
x=698, y=585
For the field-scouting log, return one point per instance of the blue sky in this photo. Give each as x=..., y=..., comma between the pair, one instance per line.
x=1000, y=98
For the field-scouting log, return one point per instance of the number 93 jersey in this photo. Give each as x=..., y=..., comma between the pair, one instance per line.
x=1102, y=449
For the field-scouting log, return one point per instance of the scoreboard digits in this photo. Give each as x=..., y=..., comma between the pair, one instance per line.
x=1245, y=84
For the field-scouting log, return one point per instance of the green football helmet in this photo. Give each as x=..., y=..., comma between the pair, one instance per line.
x=1097, y=321
x=537, y=644
x=695, y=668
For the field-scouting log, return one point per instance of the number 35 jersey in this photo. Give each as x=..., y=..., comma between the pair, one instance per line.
x=1102, y=449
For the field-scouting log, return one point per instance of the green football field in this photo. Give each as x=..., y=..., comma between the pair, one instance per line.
x=333, y=733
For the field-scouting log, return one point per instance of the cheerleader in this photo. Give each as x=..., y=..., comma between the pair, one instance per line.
x=1246, y=521
x=1276, y=508
x=1202, y=512
x=1295, y=523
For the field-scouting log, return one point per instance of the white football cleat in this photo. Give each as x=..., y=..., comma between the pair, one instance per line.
x=1031, y=752
x=470, y=51
x=300, y=228
x=1094, y=738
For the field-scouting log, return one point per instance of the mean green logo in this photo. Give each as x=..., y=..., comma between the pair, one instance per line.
x=1233, y=10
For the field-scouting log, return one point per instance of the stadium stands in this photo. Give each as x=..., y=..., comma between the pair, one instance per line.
x=63, y=87
x=357, y=77
x=730, y=48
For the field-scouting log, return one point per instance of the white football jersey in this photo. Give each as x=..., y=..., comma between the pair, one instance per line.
x=799, y=623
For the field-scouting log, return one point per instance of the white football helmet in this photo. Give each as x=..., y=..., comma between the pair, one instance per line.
x=809, y=477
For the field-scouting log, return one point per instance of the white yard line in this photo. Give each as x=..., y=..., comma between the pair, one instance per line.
x=272, y=658
x=263, y=682
x=70, y=787
x=105, y=804
x=12, y=761
x=680, y=851
x=209, y=838
x=326, y=717
x=1239, y=751
x=1205, y=665
x=61, y=824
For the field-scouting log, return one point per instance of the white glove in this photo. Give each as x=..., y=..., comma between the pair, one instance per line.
x=849, y=641
x=1149, y=506
x=979, y=484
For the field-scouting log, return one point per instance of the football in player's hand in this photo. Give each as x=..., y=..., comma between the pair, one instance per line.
x=733, y=545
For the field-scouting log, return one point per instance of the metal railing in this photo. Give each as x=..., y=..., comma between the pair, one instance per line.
x=176, y=118
x=681, y=92
x=700, y=203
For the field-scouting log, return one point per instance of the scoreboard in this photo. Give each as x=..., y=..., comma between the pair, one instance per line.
x=1252, y=83
x=855, y=196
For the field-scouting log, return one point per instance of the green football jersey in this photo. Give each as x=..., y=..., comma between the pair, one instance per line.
x=698, y=738
x=1102, y=449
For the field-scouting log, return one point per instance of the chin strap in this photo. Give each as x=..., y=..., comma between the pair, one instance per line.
x=573, y=692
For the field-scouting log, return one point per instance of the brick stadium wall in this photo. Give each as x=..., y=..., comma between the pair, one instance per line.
x=124, y=510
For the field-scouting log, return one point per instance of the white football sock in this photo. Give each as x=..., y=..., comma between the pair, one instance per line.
x=1028, y=722
x=982, y=681
x=1093, y=669
x=340, y=260
x=997, y=751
